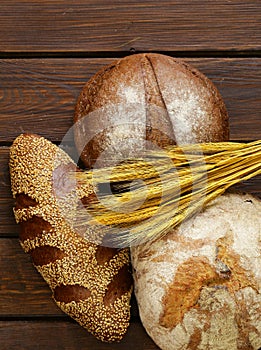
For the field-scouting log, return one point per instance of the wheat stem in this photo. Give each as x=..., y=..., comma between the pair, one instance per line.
x=176, y=183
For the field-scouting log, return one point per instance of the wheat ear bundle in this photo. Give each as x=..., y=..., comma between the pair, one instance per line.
x=161, y=190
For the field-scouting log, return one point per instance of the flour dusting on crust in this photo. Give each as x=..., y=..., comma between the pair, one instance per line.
x=199, y=287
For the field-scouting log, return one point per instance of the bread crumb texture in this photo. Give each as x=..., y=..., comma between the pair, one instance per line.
x=67, y=261
x=199, y=287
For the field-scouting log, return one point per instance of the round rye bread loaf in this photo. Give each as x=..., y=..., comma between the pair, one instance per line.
x=199, y=286
x=144, y=101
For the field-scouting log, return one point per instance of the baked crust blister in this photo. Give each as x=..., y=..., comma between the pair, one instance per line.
x=90, y=283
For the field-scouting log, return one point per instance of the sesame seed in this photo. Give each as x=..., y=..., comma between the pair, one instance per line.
x=32, y=163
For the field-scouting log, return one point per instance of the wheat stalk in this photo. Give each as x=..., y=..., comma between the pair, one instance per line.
x=174, y=184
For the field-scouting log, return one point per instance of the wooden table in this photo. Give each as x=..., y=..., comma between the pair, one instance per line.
x=48, y=50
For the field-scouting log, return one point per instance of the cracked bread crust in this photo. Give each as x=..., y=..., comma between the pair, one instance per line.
x=90, y=284
x=144, y=101
x=199, y=287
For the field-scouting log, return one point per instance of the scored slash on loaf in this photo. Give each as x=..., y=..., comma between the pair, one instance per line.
x=90, y=283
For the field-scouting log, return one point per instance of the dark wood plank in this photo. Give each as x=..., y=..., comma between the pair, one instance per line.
x=23, y=292
x=98, y=25
x=66, y=335
x=8, y=223
x=39, y=95
x=239, y=82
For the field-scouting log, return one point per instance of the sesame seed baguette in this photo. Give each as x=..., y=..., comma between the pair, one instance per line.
x=91, y=283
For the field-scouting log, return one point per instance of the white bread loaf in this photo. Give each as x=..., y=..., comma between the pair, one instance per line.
x=199, y=287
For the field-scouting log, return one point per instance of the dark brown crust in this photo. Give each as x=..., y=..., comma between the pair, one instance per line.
x=69, y=293
x=152, y=80
x=219, y=128
x=34, y=227
x=22, y=200
x=104, y=254
x=45, y=255
x=159, y=129
x=119, y=285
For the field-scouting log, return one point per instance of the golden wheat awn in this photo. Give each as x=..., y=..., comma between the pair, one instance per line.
x=163, y=188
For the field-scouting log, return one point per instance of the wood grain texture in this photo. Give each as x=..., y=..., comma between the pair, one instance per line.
x=8, y=225
x=23, y=292
x=119, y=25
x=7, y=221
x=65, y=335
x=39, y=95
